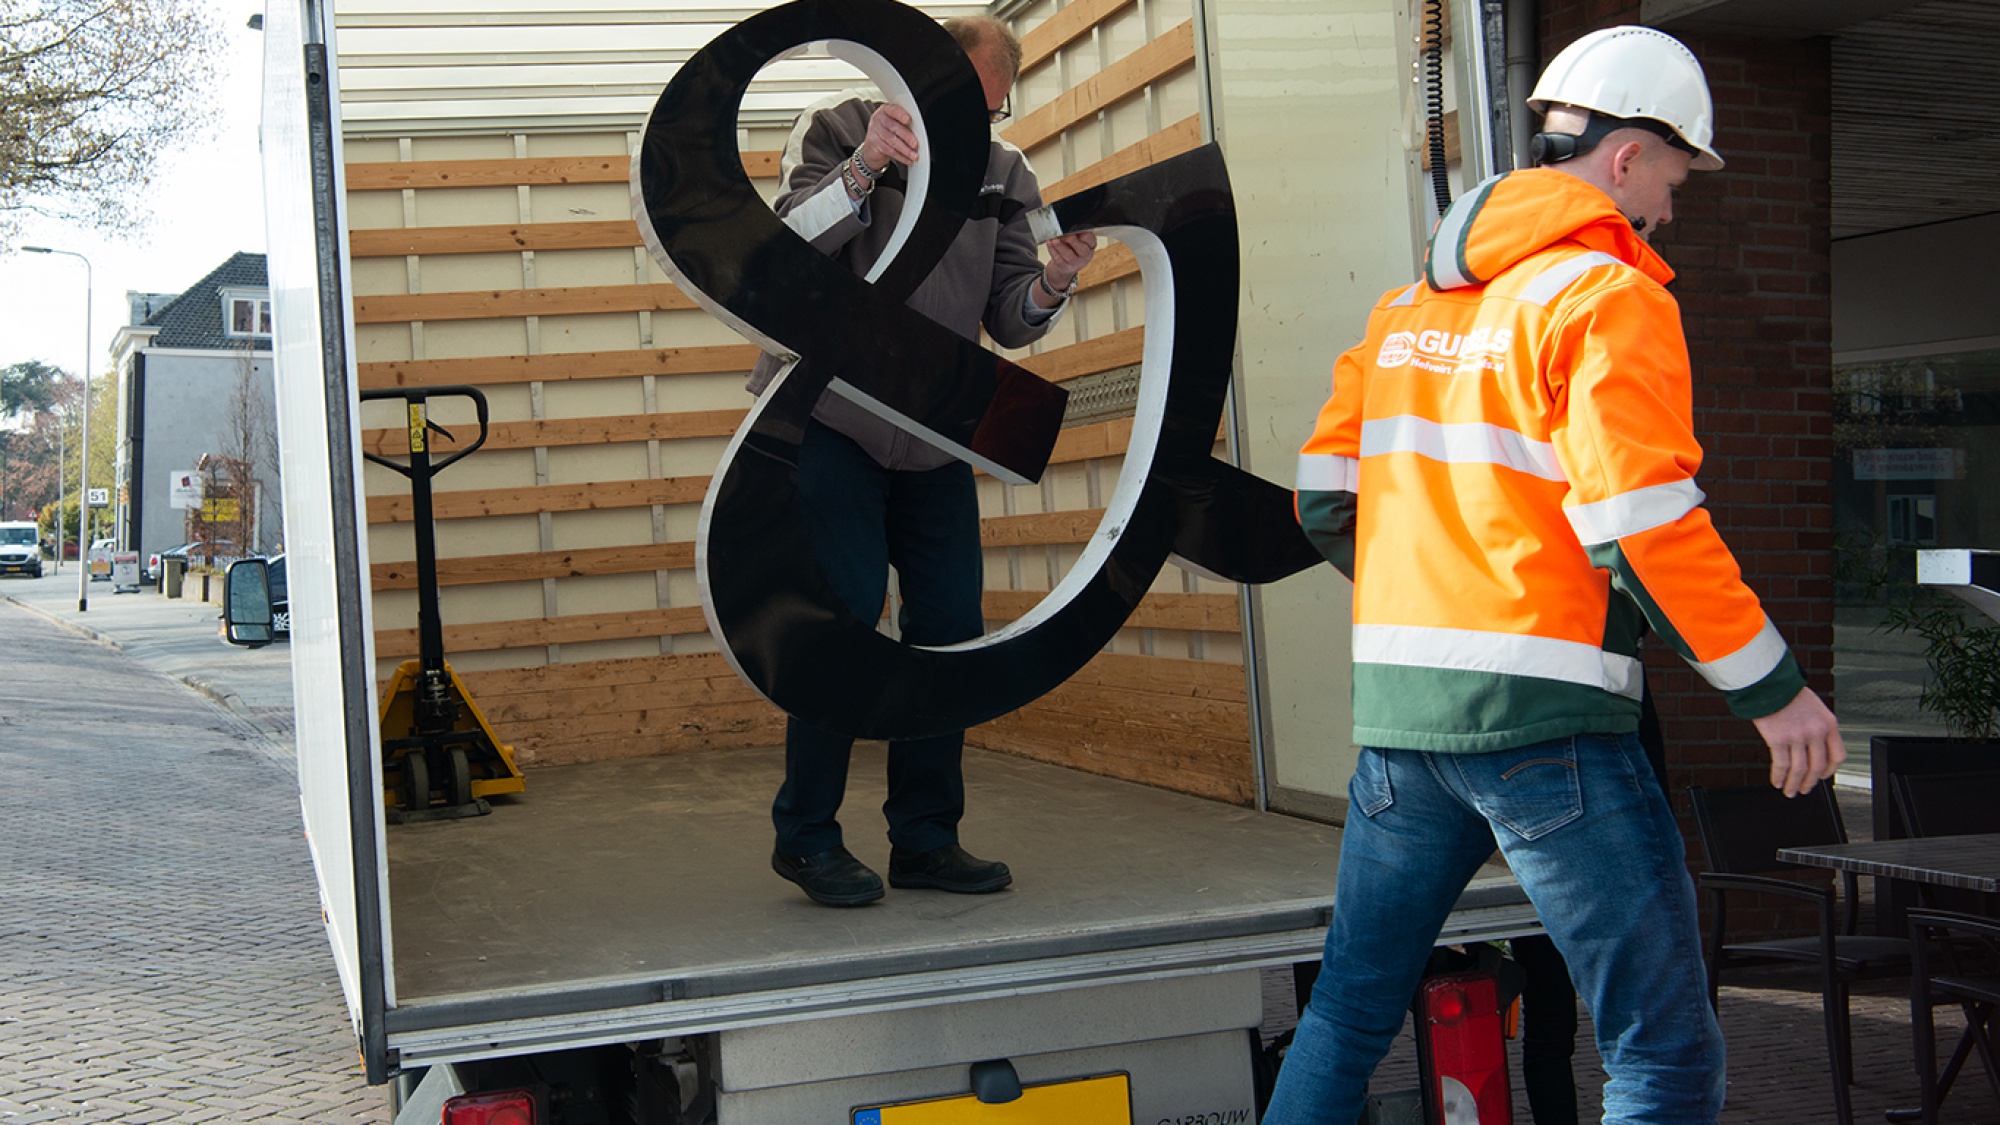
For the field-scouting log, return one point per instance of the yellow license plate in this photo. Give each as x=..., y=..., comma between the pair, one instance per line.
x=1104, y=1100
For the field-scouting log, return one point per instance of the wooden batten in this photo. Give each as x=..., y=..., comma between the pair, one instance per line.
x=1199, y=613
x=492, y=636
x=1182, y=136
x=1178, y=724
x=1068, y=25
x=1088, y=357
x=493, y=304
x=1158, y=59
x=547, y=432
x=532, y=566
x=497, y=238
x=529, y=170
x=593, y=497
x=559, y=366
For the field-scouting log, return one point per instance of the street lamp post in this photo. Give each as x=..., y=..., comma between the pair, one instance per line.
x=83, y=468
x=62, y=472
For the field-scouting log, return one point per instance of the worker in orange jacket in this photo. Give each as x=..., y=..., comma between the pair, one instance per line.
x=1506, y=471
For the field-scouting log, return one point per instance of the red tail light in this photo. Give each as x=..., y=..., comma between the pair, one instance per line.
x=508, y=1107
x=1461, y=1053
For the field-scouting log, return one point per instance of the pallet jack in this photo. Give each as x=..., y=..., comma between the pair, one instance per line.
x=447, y=759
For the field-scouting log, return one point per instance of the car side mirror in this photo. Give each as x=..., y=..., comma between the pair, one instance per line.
x=246, y=603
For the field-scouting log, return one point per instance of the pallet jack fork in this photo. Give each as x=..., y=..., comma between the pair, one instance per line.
x=448, y=758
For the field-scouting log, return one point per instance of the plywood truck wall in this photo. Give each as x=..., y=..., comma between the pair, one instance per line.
x=504, y=257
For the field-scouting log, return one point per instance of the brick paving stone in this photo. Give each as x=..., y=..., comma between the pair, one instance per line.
x=161, y=951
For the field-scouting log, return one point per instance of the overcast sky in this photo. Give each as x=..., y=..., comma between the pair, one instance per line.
x=209, y=205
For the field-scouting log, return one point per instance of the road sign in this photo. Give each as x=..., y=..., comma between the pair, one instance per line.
x=184, y=489
x=100, y=497
x=225, y=510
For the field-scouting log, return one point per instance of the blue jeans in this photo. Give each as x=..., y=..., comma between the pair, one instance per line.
x=862, y=519
x=1589, y=834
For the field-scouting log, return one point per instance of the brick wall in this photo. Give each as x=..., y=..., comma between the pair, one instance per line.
x=1751, y=247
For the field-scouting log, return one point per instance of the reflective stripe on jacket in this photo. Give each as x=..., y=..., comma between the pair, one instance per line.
x=1506, y=470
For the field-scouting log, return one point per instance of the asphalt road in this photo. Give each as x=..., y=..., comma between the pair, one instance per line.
x=161, y=952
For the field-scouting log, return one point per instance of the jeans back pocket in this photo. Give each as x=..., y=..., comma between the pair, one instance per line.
x=1369, y=789
x=1531, y=791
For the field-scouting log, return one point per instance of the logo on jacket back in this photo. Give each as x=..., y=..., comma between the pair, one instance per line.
x=1434, y=349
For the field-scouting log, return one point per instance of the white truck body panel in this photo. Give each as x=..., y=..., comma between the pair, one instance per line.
x=321, y=540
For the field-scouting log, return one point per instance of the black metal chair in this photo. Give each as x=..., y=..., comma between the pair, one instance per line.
x=1948, y=804
x=1741, y=832
x=1940, y=974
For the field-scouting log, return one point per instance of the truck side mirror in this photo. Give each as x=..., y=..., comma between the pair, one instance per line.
x=246, y=603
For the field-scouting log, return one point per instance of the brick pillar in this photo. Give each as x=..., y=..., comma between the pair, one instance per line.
x=1750, y=245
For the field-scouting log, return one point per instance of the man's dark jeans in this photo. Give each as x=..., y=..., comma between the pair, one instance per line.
x=863, y=519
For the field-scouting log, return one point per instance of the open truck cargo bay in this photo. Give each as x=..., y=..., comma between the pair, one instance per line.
x=448, y=204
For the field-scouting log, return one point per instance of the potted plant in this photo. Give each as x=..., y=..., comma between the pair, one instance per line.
x=1961, y=688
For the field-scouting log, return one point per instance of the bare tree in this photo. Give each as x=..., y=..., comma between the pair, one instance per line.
x=250, y=445
x=92, y=94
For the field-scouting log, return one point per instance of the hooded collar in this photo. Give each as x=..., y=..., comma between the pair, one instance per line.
x=1513, y=216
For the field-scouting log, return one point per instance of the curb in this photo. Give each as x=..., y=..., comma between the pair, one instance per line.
x=277, y=745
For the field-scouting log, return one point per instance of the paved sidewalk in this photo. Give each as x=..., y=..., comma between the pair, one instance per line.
x=161, y=952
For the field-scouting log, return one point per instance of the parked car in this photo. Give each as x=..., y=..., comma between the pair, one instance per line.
x=281, y=602
x=100, y=559
x=153, y=561
x=217, y=553
x=20, y=550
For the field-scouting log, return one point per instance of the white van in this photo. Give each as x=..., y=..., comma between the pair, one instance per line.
x=20, y=549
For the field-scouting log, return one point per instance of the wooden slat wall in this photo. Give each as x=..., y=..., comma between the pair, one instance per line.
x=567, y=540
x=1166, y=705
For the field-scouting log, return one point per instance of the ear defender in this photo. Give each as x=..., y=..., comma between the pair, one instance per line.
x=1551, y=148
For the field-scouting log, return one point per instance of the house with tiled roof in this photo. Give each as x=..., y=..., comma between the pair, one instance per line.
x=195, y=397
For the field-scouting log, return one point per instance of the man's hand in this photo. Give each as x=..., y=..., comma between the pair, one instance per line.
x=1805, y=744
x=1068, y=254
x=890, y=139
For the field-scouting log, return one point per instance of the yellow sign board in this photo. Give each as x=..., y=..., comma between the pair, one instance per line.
x=221, y=511
x=1105, y=1100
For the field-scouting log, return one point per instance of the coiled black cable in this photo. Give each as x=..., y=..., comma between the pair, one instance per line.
x=1434, y=100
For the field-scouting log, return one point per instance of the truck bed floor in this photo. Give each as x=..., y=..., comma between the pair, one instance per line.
x=660, y=867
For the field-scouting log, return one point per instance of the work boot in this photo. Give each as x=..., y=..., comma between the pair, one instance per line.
x=831, y=878
x=949, y=868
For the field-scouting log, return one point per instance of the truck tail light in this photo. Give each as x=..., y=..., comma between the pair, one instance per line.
x=1460, y=1052
x=506, y=1107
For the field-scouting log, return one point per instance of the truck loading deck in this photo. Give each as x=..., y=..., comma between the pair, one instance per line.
x=635, y=899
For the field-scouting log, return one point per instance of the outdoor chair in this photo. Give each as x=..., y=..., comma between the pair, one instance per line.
x=1741, y=831
x=1948, y=804
x=1957, y=968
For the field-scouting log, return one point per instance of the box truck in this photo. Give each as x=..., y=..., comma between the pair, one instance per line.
x=449, y=207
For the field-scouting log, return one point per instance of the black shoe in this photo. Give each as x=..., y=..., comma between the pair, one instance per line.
x=831, y=878
x=949, y=868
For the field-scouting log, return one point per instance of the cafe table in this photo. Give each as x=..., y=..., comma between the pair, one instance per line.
x=1967, y=862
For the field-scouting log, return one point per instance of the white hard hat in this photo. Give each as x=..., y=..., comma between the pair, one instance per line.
x=1635, y=73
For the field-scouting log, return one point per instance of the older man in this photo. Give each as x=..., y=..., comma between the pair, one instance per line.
x=876, y=496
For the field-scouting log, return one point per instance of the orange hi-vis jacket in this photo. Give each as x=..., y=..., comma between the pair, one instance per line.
x=1506, y=471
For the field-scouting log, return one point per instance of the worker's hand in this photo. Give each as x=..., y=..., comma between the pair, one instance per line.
x=1068, y=254
x=890, y=139
x=1805, y=744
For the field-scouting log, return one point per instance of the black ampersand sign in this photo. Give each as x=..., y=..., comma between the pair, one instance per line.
x=777, y=618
